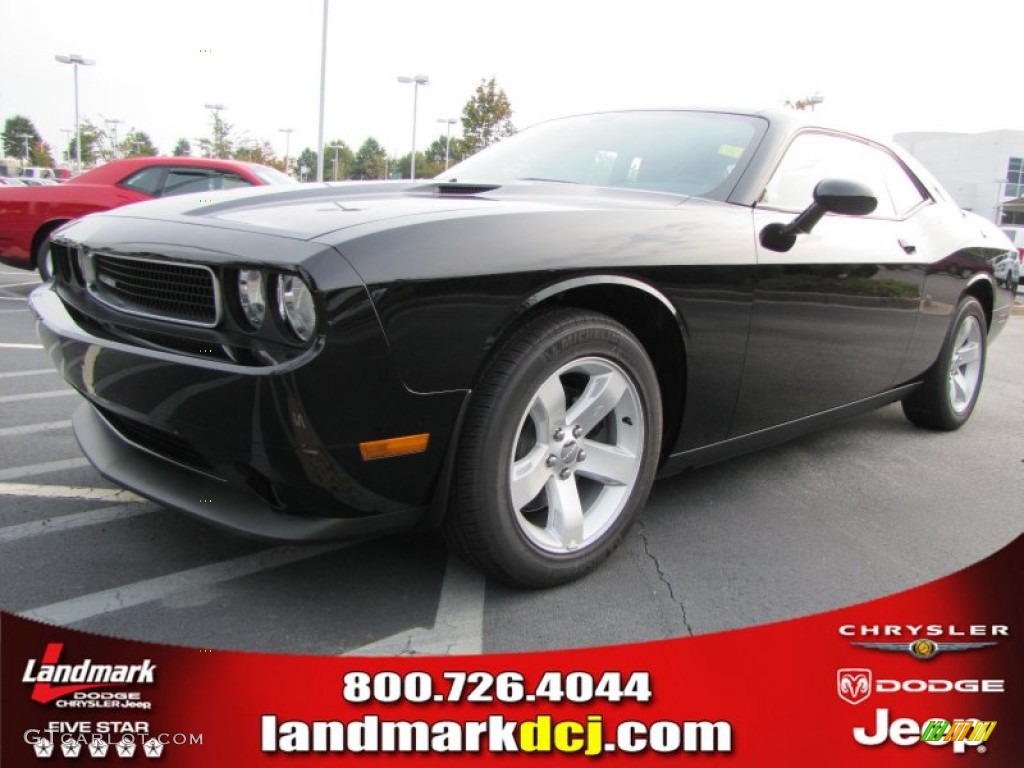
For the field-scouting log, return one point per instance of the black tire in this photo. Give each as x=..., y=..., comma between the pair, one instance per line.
x=949, y=392
x=581, y=360
x=43, y=260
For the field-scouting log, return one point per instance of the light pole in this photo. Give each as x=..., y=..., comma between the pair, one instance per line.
x=76, y=59
x=336, y=147
x=449, y=121
x=287, y=144
x=67, y=144
x=25, y=137
x=417, y=81
x=114, y=122
x=323, y=81
x=218, y=136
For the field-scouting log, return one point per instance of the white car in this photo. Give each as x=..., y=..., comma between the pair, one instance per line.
x=1007, y=271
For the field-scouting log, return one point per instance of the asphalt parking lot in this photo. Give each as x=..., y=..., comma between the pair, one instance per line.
x=842, y=516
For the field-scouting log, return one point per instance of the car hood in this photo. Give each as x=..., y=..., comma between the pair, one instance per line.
x=316, y=211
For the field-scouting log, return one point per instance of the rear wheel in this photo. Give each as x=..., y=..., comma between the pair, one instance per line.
x=559, y=450
x=950, y=390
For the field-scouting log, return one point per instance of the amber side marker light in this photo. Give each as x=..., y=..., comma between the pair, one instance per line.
x=394, y=446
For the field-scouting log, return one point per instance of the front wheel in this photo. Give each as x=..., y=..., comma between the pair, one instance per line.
x=559, y=450
x=946, y=397
x=44, y=261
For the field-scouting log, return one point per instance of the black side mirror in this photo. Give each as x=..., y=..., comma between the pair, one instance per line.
x=849, y=198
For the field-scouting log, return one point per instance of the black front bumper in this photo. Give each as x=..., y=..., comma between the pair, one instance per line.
x=271, y=452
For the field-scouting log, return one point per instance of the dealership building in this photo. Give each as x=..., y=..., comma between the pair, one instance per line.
x=984, y=172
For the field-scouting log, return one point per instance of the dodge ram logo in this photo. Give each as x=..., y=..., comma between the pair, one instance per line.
x=853, y=685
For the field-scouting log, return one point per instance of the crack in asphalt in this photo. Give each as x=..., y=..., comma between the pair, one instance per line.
x=642, y=533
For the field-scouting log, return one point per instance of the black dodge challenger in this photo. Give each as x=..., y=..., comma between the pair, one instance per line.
x=512, y=352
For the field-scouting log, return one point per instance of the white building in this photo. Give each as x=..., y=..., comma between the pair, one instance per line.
x=984, y=172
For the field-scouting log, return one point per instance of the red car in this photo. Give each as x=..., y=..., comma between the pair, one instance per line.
x=29, y=214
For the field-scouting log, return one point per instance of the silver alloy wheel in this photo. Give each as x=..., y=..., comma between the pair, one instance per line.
x=576, y=455
x=965, y=367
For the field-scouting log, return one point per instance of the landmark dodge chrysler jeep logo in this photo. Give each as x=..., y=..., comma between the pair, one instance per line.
x=80, y=677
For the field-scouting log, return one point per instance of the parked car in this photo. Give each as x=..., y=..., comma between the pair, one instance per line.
x=10, y=181
x=28, y=216
x=33, y=172
x=514, y=350
x=1007, y=270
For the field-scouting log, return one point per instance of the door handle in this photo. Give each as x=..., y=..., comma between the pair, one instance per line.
x=907, y=246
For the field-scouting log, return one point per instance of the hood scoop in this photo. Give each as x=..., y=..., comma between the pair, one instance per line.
x=455, y=189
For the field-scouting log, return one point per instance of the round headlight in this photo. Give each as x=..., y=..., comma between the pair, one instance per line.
x=295, y=305
x=251, y=296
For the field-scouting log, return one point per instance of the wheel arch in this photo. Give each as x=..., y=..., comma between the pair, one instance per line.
x=645, y=311
x=981, y=289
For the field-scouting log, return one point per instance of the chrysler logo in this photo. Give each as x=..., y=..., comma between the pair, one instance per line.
x=853, y=685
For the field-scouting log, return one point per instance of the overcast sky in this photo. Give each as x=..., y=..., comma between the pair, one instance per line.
x=891, y=66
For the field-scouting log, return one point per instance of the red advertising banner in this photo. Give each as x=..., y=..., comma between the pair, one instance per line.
x=929, y=677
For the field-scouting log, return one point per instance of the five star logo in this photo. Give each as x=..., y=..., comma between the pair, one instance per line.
x=153, y=748
x=43, y=748
x=71, y=748
x=125, y=748
x=98, y=747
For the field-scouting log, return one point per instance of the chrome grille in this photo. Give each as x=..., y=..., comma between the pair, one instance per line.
x=165, y=290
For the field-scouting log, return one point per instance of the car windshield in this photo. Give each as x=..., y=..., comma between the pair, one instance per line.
x=270, y=175
x=685, y=153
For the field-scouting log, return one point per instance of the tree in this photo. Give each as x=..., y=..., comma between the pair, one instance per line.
x=92, y=137
x=808, y=102
x=346, y=161
x=370, y=161
x=137, y=144
x=486, y=118
x=15, y=129
x=436, y=151
x=306, y=160
x=219, y=143
x=183, y=148
x=253, y=151
x=40, y=155
x=427, y=167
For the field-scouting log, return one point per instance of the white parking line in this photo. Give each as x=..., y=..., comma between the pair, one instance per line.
x=30, y=429
x=70, y=522
x=18, y=374
x=116, y=599
x=29, y=470
x=7, y=345
x=36, y=396
x=18, y=285
x=11, y=311
x=22, y=273
x=68, y=492
x=458, y=626
x=13, y=298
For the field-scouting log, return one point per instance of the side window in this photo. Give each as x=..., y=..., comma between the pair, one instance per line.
x=182, y=181
x=147, y=181
x=906, y=195
x=816, y=156
x=229, y=180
